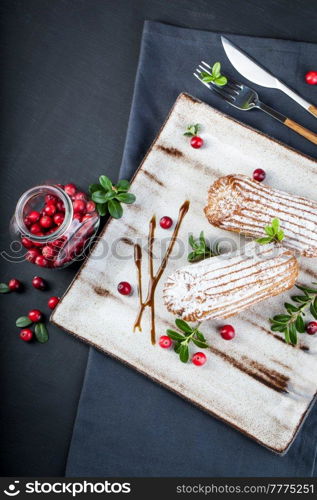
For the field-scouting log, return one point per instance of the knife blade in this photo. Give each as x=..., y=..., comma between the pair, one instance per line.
x=252, y=71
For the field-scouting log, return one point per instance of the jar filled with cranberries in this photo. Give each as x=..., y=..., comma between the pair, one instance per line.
x=55, y=224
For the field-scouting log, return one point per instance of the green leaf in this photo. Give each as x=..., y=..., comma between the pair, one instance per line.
x=177, y=347
x=300, y=325
x=269, y=230
x=306, y=289
x=290, y=308
x=100, y=197
x=94, y=187
x=313, y=310
x=4, y=288
x=126, y=197
x=23, y=321
x=287, y=336
x=264, y=241
x=221, y=80
x=292, y=334
x=184, y=353
x=277, y=327
x=105, y=182
x=102, y=208
x=123, y=185
x=200, y=336
x=300, y=298
x=182, y=325
x=208, y=78
x=280, y=235
x=175, y=335
x=115, y=209
x=275, y=225
x=41, y=333
x=200, y=343
x=195, y=257
x=191, y=241
x=216, y=69
x=282, y=318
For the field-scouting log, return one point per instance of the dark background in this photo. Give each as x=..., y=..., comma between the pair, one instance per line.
x=68, y=69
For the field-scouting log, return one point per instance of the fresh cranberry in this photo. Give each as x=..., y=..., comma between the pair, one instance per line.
x=81, y=196
x=26, y=334
x=15, y=285
x=35, y=228
x=26, y=242
x=79, y=206
x=166, y=222
x=27, y=221
x=70, y=189
x=41, y=261
x=259, y=175
x=38, y=283
x=199, y=359
x=48, y=252
x=227, y=332
x=124, y=288
x=46, y=221
x=52, y=302
x=35, y=315
x=87, y=217
x=311, y=328
x=91, y=206
x=196, y=142
x=50, y=198
x=78, y=217
x=34, y=216
x=32, y=254
x=50, y=209
x=58, y=218
x=311, y=77
x=60, y=206
x=165, y=341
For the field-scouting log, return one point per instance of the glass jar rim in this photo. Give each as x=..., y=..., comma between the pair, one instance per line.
x=33, y=192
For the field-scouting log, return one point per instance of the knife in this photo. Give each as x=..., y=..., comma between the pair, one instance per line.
x=255, y=73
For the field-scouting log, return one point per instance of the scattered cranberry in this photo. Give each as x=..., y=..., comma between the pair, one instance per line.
x=124, y=288
x=165, y=342
x=34, y=216
x=196, y=142
x=52, y=302
x=50, y=209
x=227, y=332
x=81, y=196
x=70, y=189
x=26, y=334
x=91, y=206
x=79, y=206
x=27, y=243
x=311, y=328
x=15, y=285
x=166, y=222
x=35, y=315
x=58, y=219
x=38, y=283
x=48, y=252
x=41, y=261
x=311, y=77
x=199, y=359
x=35, y=228
x=32, y=254
x=259, y=175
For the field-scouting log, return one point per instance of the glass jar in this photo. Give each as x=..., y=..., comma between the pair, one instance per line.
x=54, y=227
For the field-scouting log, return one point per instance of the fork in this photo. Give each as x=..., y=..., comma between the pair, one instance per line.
x=243, y=97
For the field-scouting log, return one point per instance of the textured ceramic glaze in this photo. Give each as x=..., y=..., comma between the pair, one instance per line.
x=256, y=382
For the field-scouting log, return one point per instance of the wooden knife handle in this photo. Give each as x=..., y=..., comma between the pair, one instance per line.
x=313, y=110
x=308, y=134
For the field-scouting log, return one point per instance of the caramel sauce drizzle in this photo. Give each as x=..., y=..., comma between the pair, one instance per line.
x=154, y=278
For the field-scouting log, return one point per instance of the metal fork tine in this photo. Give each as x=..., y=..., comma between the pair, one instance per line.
x=226, y=97
x=205, y=83
x=223, y=91
x=206, y=65
x=235, y=83
x=203, y=69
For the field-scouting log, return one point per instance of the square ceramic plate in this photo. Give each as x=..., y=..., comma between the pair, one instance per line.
x=256, y=383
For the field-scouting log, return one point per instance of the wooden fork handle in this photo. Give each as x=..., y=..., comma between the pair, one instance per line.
x=313, y=110
x=308, y=134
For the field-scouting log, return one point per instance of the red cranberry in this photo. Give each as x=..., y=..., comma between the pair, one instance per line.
x=27, y=221
x=58, y=218
x=35, y=228
x=60, y=206
x=199, y=359
x=48, y=252
x=124, y=288
x=259, y=175
x=78, y=217
x=46, y=221
x=34, y=216
x=311, y=77
x=166, y=222
x=61, y=186
x=35, y=315
x=86, y=217
x=38, y=283
x=311, y=328
x=50, y=199
x=79, y=206
x=15, y=285
x=26, y=242
x=196, y=142
x=52, y=302
x=26, y=334
x=32, y=254
x=41, y=261
x=227, y=332
x=50, y=209
x=81, y=196
x=165, y=341
x=91, y=206
x=70, y=189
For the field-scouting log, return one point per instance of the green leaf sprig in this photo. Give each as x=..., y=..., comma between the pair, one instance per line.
x=40, y=330
x=192, y=130
x=109, y=197
x=201, y=249
x=183, y=339
x=215, y=76
x=273, y=232
x=4, y=288
x=292, y=322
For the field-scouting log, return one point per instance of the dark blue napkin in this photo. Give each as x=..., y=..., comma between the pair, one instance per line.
x=126, y=424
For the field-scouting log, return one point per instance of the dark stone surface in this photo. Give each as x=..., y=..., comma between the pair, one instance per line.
x=68, y=68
